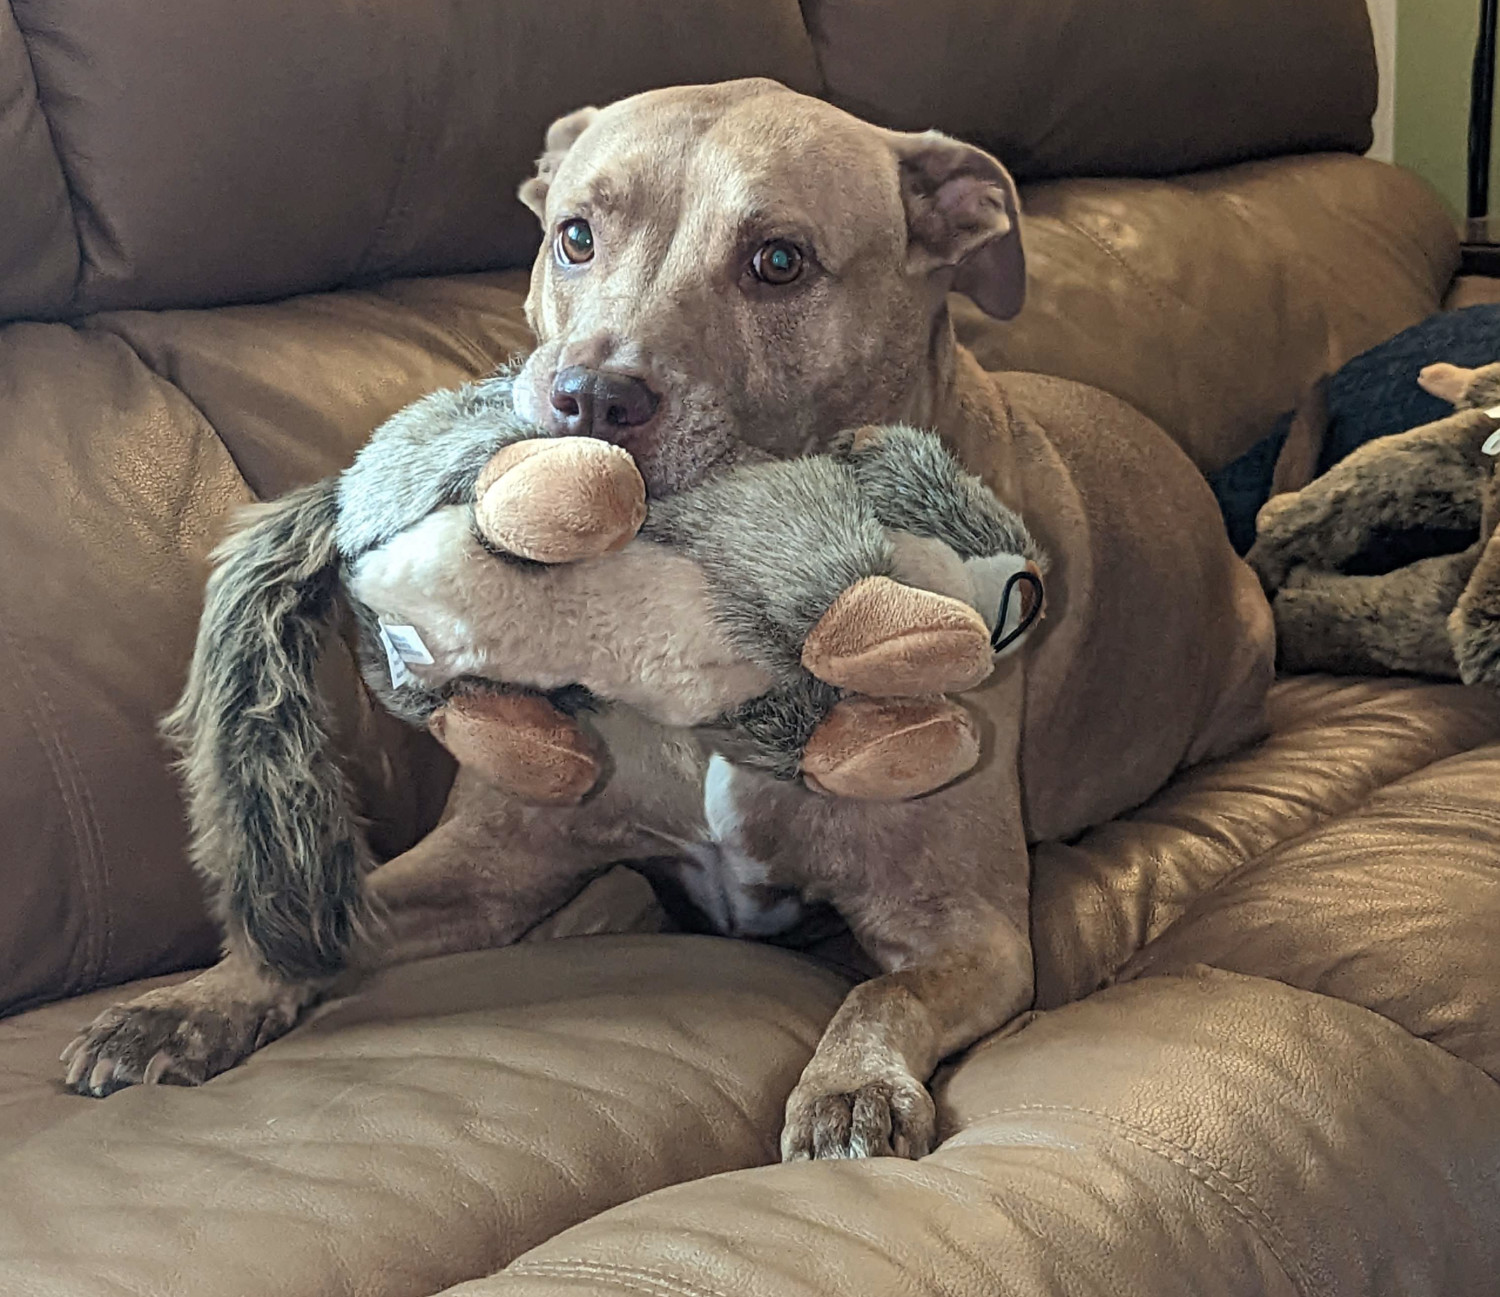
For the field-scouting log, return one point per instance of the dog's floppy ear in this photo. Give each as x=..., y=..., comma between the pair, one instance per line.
x=561, y=136
x=963, y=219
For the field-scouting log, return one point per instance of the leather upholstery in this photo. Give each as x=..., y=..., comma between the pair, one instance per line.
x=1285, y=1094
x=180, y=127
x=1264, y=277
x=38, y=250
x=1268, y=1029
x=1107, y=87
x=1197, y=1134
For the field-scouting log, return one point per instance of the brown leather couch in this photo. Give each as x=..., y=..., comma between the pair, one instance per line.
x=235, y=236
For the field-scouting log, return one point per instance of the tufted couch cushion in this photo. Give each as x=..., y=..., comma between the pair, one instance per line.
x=1287, y=1088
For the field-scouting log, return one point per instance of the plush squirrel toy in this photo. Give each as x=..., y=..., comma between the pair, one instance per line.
x=1388, y=561
x=806, y=615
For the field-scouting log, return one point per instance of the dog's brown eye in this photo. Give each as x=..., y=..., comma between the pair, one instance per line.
x=777, y=262
x=575, y=242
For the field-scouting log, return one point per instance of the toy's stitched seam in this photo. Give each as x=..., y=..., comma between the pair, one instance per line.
x=1213, y=1177
x=660, y=1282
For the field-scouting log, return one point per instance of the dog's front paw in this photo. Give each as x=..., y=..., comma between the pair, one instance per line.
x=171, y=1035
x=892, y=1116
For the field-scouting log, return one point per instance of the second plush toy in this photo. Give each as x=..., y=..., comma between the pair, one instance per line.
x=1388, y=561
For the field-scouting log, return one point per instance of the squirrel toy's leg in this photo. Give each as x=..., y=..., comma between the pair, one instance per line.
x=1474, y=626
x=519, y=742
x=1355, y=625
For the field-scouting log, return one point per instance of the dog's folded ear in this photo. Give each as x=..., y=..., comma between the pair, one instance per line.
x=963, y=219
x=561, y=136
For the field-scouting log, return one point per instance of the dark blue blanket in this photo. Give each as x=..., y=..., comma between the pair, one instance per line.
x=1372, y=396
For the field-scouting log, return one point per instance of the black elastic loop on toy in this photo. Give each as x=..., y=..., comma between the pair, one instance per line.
x=1005, y=641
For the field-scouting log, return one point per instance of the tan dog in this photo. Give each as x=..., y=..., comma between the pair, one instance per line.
x=742, y=257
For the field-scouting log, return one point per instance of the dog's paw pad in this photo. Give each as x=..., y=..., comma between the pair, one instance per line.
x=892, y=1117
x=183, y=1043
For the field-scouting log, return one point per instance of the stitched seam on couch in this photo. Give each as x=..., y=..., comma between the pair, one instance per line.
x=1211, y=1176
x=655, y=1282
x=83, y=820
x=69, y=187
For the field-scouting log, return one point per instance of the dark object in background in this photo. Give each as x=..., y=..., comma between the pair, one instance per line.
x=1374, y=395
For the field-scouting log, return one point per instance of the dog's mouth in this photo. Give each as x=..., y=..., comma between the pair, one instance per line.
x=673, y=457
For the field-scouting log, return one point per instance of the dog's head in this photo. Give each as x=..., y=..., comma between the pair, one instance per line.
x=737, y=269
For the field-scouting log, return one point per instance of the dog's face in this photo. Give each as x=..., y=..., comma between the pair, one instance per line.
x=738, y=270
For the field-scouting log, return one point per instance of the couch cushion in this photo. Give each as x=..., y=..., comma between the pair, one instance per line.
x=1108, y=87
x=1212, y=302
x=1334, y=807
x=113, y=487
x=442, y=1120
x=1210, y=1134
x=295, y=388
x=134, y=435
x=221, y=151
x=38, y=248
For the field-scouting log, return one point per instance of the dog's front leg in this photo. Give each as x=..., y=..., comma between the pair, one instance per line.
x=864, y=1094
x=936, y=891
x=486, y=875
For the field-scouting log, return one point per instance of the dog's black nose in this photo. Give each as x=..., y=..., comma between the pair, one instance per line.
x=600, y=402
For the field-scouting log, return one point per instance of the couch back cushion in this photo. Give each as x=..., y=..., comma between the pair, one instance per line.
x=38, y=250
x=197, y=152
x=1108, y=87
x=222, y=151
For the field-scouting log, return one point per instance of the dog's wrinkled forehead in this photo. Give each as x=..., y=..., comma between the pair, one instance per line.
x=722, y=163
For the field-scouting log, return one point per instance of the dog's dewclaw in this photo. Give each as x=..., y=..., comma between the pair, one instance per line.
x=558, y=499
x=892, y=640
x=520, y=743
x=890, y=749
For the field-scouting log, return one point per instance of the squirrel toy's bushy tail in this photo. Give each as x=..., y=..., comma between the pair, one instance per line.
x=270, y=810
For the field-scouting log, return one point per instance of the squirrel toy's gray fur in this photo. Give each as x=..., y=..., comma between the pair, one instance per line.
x=274, y=833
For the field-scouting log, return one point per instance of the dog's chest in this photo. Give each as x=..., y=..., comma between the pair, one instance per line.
x=733, y=892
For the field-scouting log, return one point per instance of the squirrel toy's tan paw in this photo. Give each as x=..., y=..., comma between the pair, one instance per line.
x=520, y=743
x=558, y=499
x=892, y=640
x=890, y=749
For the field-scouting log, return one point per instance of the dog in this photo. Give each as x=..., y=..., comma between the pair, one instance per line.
x=739, y=268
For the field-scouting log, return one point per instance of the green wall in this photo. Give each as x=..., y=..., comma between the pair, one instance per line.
x=1434, y=54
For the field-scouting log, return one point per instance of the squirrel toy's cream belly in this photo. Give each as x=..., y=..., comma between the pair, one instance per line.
x=636, y=626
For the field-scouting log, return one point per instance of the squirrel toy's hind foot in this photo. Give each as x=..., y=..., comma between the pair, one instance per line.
x=560, y=499
x=520, y=743
x=890, y=749
x=892, y=640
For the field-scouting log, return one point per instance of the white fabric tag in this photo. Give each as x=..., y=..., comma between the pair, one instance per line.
x=1492, y=442
x=408, y=644
x=399, y=674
